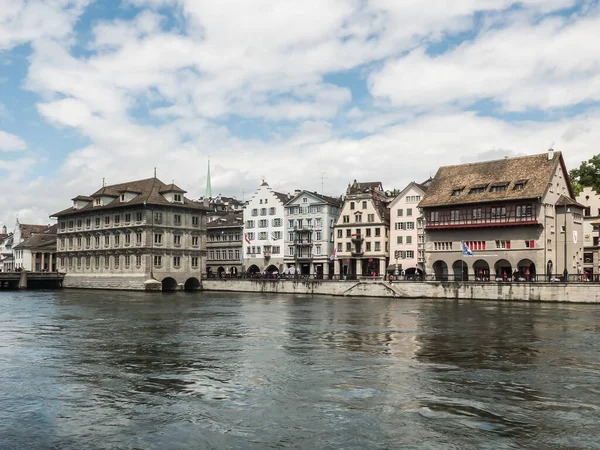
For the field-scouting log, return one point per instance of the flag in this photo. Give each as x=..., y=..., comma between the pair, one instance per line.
x=466, y=251
x=242, y=257
x=247, y=239
x=333, y=254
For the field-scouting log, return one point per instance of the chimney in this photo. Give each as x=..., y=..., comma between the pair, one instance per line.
x=297, y=192
x=550, y=154
x=3, y=229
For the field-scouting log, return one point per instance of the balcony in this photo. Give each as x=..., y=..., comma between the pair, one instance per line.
x=357, y=238
x=302, y=242
x=358, y=252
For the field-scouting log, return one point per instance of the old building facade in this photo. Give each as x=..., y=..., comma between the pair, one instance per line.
x=309, y=219
x=139, y=235
x=517, y=218
x=224, y=245
x=264, y=230
x=590, y=200
x=407, y=233
x=361, y=234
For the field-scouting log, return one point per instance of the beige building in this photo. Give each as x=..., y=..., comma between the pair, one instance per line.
x=517, y=217
x=407, y=231
x=139, y=235
x=362, y=232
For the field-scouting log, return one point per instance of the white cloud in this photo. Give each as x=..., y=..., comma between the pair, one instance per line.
x=10, y=142
x=547, y=65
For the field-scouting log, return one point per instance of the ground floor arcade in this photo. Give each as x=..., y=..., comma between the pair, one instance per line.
x=498, y=269
x=350, y=268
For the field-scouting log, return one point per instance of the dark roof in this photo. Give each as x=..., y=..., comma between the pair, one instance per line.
x=535, y=171
x=27, y=230
x=83, y=197
x=150, y=194
x=566, y=201
x=283, y=198
x=227, y=220
x=171, y=188
x=335, y=201
x=46, y=239
x=362, y=187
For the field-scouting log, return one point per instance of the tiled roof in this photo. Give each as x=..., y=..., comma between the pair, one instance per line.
x=362, y=187
x=171, y=188
x=227, y=220
x=28, y=230
x=566, y=201
x=150, y=194
x=335, y=201
x=283, y=198
x=45, y=239
x=535, y=172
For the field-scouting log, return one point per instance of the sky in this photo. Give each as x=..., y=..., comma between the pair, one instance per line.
x=305, y=94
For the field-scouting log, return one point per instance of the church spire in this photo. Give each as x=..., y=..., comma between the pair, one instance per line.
x=208, y=193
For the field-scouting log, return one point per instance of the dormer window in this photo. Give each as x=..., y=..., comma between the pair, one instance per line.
x=456, y=192
x=477, y=190
x=499, y=187
x=177, y=198
x=520, y=185
x=98, y=202
x=122, y=197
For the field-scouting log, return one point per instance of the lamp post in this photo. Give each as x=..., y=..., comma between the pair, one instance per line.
x=566, y=271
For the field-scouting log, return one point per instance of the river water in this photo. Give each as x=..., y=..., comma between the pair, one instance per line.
x=107, y=370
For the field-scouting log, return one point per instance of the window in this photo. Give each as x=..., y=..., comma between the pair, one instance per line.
x=127, y=218
x=176, y=261
x=195, y=241
x=127, y=238
x=400, y=212
x=117, y=240
x=277, y=222
x=503, y=244
x=409, y=239
x=346, y=219
x=456, y=192
x=138, y=217
x=442, y=246
x=158, y=238
x=195, y=261
x=177, y=198
x=339, y=247
x=520, y=185
x=587, y=211
x=97, y=241
x=98, y=202
x=351, y=205
x=410, y=225
x=377, y=232
x=70, y=224
x=97, y=262
x=410, y=254
x=117, y=219
x=529, y=244
x=339, y=233
x=138, y=260
x=377, y=246
x=88, y=241
x=367, y=246
x=475, y=245
x=271, y=211
x=477, y=190
x=177, y=219
x=195, y=221
x=348, y=247
x=62, y=225
x=79, y=223
x=157, y=260
x=371, y=218
x=399, y=240
x=88, y=261
x=413, y=199
x=358, y=217
x=138, y=238
x=106, y=240
x=177, y=239
x=262, y=236
x=409, y=211
x=255, y=212
x=263, y=211
x=364, y=204
x=127, y=260
x=106, y=220
x=368, y=232
x=249, y=223
x=263, y=223
x=498, y=188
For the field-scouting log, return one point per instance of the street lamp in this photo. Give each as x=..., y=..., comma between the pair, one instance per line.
x=566, y=271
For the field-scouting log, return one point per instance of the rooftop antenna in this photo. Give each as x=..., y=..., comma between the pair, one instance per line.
x=102, y=182
x=154, y=172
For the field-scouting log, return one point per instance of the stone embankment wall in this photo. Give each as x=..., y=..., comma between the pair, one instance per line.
x=529, y=292
x=106, y=281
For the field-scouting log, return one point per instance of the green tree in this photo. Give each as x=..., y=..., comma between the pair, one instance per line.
x=587, y=174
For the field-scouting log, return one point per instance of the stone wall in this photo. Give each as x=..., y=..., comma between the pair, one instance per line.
x=531, y=292
x=108, y=281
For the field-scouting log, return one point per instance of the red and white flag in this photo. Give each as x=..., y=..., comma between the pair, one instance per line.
x=333, y=254
x=246, y=238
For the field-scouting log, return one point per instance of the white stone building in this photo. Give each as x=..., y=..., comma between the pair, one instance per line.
x=137, y=235
x=309, y=219
x=264, y=231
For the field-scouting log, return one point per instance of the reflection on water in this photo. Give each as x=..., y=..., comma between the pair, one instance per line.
x=83, y=369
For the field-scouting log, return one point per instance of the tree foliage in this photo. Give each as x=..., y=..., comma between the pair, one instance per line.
x=587, y=174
